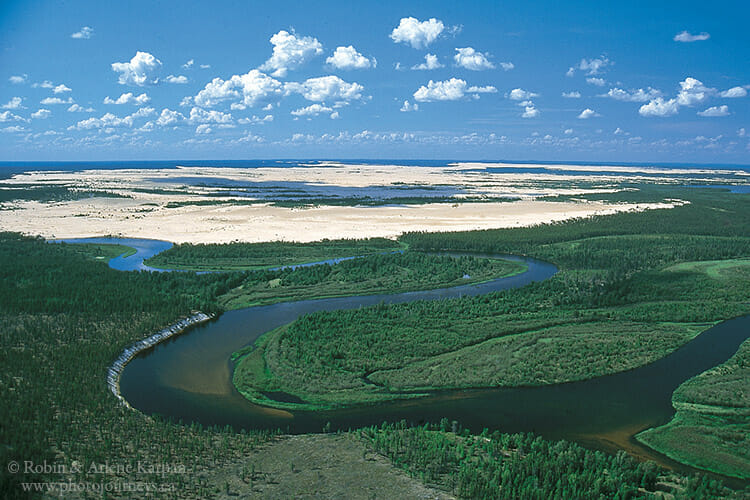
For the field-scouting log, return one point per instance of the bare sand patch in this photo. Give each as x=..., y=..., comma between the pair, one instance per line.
x=256, y=223
x=218, y=205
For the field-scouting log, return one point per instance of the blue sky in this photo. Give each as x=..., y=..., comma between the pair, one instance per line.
x=587, y=81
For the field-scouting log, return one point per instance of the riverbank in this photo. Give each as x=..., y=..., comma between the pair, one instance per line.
x=115, y=371
x=711, y=426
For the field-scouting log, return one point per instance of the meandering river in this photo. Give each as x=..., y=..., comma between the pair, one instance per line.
x=189, y=378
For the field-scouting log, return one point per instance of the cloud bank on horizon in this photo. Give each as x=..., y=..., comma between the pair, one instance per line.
x=384, y=83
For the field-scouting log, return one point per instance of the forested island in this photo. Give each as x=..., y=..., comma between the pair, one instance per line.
x=632, y=288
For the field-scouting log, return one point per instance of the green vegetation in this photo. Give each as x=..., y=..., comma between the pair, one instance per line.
x=711, y=429
x=380, y=273
x=553, y=355
x=63, y=318
x=102, y=252
x=500, y=466
x=649, y=280
x=617, y=303
x=251, y=256
x=34, y=192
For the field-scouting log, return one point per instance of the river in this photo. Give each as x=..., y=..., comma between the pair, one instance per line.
x=188, y=378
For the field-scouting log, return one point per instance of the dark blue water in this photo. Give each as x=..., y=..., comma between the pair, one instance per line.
x=145, y=249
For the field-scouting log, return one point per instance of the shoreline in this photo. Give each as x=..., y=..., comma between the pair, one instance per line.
x=114, y=373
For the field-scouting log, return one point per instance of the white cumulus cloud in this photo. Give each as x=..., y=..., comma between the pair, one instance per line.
x=734, y=92
x=312, y=110
x=487, y=89
x=188, y=64
x=692, y=92
x=592, y=67
x=129, y=98
x=587, y=113
x=407, y=106
x=176, y=79
x=530, y=111
x=18, y=79
x=77, y=108
x=507, y=66
x=521, y=95
x=203, y=129
x=109, y=120
x=169, y=117
x=46, y=84
x=252, y=88
x=290, y=52
x=56, y=100
x=139, y=70
x=659, y=107
x=637, y=95
x=41, y=114
x=349, y=58
x=471, y=59
x=449, y=90
x=572, y=95
x=200, y=115
x=84, y=33
x=599, y=82
x=415, y=33
x=61, y=88
x=430, y=62
x=685, y=36
x=7, y=116
x=14, y=103
x=326, y=88
x=255, y=120
x=714, y=111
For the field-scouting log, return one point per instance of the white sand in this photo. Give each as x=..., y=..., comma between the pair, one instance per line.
x=145, y=214
x=220, y=224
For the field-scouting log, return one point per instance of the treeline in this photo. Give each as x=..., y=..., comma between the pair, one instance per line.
x=36, y=276
x=63, y=319
x=373, y=274
x=708, y=212
x=511, y=466
x=35, y=192
x=416, y=265
x=270, y=254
